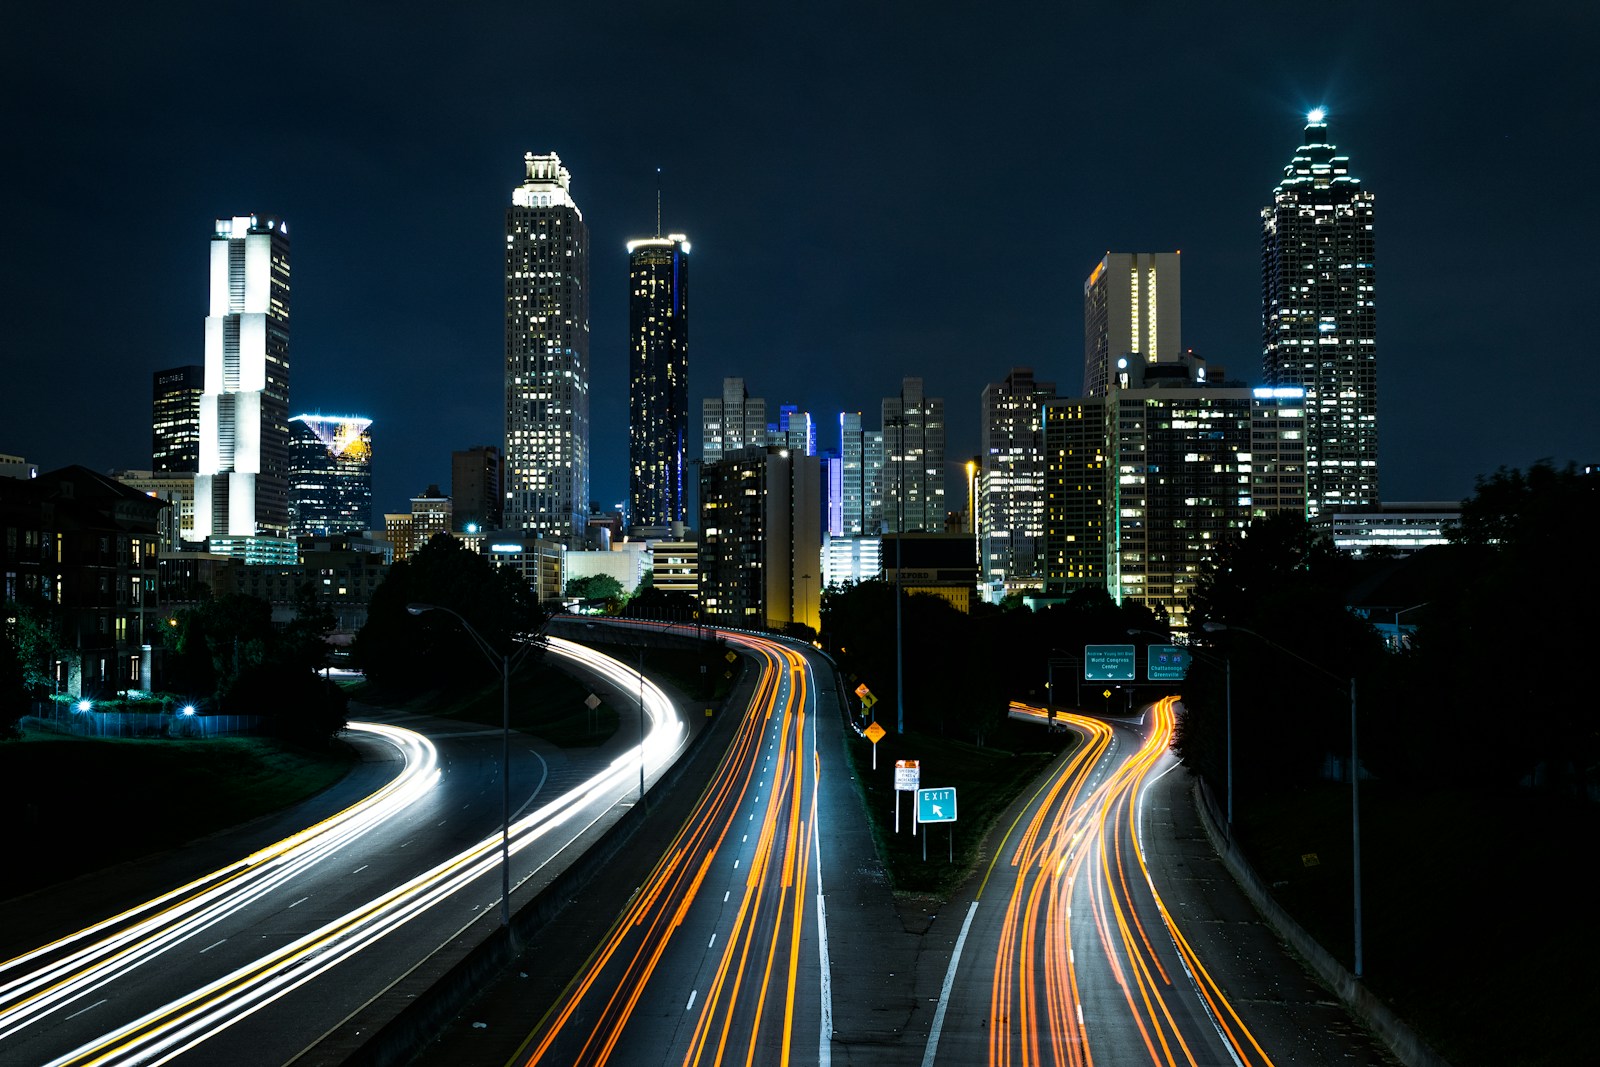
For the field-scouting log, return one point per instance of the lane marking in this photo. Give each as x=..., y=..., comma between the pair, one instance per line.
x=361, y=868
x=712, y=942
x=211, y=946
x=944, y=992
x=692, y=994
x=299, y=902
x=91, y=1007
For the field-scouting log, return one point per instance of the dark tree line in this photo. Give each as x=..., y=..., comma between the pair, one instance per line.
x=963, y=669
x=226, y=653
x=1490, y=692
x=402, y=652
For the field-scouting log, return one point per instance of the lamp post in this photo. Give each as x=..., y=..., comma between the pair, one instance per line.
x=503, y=663
x=1355, y=778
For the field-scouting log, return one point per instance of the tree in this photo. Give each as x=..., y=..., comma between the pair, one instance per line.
x=601, y=589
x=1279, y=587
x=1524, y=587
x=402, y=651
x=13, y=686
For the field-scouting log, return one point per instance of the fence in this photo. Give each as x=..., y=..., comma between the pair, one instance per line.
x=62, y=719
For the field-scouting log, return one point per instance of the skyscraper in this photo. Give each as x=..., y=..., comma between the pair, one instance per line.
x=175, y=419
x=1011, y=481
x=475, y=488
x=732, y=421
x=761, y=539
x=794, y=430
x=1318, y=317
x=330, y=475
x=546, y=472
x=1131, y=307
x=658, y=378
x=913, y=435
x=242, y=485
x=861, y=477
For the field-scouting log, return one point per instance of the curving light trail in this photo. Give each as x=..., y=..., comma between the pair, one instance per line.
x=180, y=1025
x=1083, y=841
x=746, y=1009
x=67, y=969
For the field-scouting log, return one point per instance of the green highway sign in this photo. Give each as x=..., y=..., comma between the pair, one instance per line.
x=1167, y=663
x=1110, y=663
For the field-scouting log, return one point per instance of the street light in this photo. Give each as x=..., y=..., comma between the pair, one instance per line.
x=1355, y=776
x=502, y=661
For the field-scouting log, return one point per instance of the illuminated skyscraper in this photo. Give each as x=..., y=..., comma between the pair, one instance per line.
x=1319, y=320
x=794, y=430
x=1130, y=308
x=175, y=419
x=546, y=472
x=732, y=421
x=861, y=477
x=913, y=436
x=242, y=485
x=658, y=378
x=1011, y=483
x=330, y=475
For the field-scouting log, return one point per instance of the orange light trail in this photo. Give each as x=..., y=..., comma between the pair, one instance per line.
x=1083, y=836
x=753, y=980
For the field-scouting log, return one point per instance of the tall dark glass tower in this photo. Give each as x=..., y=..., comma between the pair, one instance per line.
x=330, y=475
x=1319, y=319
x=658, y=378
x=546, y=474
x=175, y=419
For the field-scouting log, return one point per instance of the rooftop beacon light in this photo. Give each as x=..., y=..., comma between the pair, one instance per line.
x=1316, y=115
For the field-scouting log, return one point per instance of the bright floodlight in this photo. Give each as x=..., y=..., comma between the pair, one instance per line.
x=84, y=705
x=188, y=709
x=1316, y=115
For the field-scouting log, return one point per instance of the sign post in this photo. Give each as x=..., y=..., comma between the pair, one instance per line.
x=937, y=805
x=907, y=777
x=874, y=733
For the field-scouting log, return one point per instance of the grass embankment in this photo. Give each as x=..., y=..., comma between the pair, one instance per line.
x=76, y=805
x=1477, y=918
x=986, y=781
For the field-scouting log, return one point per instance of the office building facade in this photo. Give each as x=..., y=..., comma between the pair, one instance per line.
x=658, y=378
x=1010, y=503
x=242, y=480
x=1319, y=317
x=731, y=421
x=913, y=436
x=175, y=418
x=330, y=475
x=1131, y=309
x=761, y=542
x=1144, y=483
x=861, y=459
x=546, y=471
x=475, y=489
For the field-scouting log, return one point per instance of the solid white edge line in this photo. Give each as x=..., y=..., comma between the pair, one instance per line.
x=944, y=992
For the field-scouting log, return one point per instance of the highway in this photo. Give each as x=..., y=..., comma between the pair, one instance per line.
x=1068, y=954
x=253, y=961
x=721, y=955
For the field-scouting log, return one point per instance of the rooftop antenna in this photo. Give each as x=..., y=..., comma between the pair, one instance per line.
x=658, y=201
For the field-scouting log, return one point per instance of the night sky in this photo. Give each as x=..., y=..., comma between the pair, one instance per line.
x=872, y=192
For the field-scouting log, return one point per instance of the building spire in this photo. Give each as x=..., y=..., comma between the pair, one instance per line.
x=658, y=201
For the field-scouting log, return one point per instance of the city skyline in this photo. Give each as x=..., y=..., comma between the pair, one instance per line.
x=807, y=191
